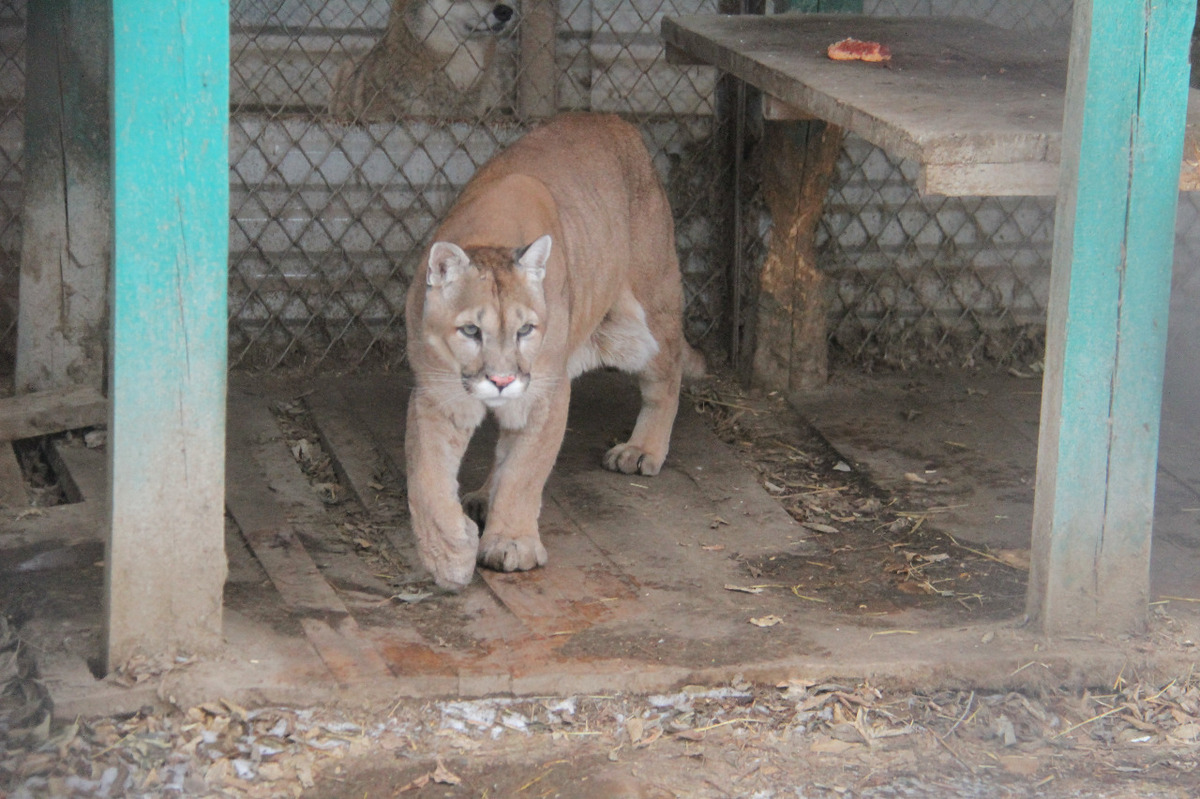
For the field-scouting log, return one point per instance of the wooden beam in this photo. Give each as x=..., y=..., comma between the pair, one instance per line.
x=45, y=412
x=800, y=155
x=537, y=75
x=1107, y=315
x=165, y=564
x=67, y=221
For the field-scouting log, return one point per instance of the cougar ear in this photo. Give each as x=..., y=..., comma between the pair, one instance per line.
x=532, y=259
x=447, y=262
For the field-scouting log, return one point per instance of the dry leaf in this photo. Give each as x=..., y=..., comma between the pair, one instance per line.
x=766, y=621
x=443, y=775
x=913, y=477
x=418, y=783
x=819, y=528
x=302, y=450
x=745, y=589
x=796, y=685
x=713, y=547
x=1016, y=558
x=635, y=727
x=1186, y=732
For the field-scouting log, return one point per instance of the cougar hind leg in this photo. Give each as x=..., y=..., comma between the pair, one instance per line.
x=656, y=361
x=646, y=448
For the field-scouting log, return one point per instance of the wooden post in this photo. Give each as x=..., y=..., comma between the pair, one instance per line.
x=166, y=556
x=797, y=165
x=1107, y=316
x=67, y=222
x=537, y=70
x=790, y=349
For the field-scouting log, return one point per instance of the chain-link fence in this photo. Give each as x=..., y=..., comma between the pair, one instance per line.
x=949, y=280
x=354, y=123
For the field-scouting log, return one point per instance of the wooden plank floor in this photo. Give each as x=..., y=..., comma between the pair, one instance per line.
x=634, y=592
x=325, y=597
x=971, y=437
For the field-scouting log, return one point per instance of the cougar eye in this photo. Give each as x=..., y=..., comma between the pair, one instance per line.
x=470, y=331
x=524, y=330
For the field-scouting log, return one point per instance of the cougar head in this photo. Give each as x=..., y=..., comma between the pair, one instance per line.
x=483, y=317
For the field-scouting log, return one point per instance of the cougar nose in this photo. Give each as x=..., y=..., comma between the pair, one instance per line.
x=502, y=12
x=501, y=381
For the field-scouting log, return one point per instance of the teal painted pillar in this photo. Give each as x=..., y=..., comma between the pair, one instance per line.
x=1107, y=317
x=170, y=111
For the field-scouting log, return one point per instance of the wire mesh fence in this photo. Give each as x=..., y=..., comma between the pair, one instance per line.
x=354, y=123
x=347, y=146
x=954, y=280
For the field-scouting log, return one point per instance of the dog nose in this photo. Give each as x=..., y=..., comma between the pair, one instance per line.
x=502, y=12
x=501, y=381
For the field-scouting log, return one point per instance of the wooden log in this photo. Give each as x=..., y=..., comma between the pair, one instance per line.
x=170, y=109
x=1107, y=316
x=66, y=226
x=798, y=164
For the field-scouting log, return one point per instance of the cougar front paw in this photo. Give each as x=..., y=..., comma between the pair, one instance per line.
x=511, y=554
x=449, y=554
x=628, y=459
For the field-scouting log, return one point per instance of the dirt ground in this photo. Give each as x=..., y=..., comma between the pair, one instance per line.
x=871, y=552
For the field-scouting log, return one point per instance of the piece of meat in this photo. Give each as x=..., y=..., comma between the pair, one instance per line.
x=855, y=50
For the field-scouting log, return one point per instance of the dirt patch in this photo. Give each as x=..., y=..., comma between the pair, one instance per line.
x=832, y=739
x=880, y=553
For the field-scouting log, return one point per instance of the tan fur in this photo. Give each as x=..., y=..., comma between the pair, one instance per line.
x=422, y=66
x=607, y=294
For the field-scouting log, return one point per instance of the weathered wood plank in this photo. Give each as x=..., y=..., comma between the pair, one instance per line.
x=170, y=107
x=254, y=437
x=59, y=525
x=12, y=480
x=67, y=220
x=959, y=92
x=348, y=441
x=372, y=421
x=82, y=471
x=45, y=412
x=584, y=587
x=1107, y=315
